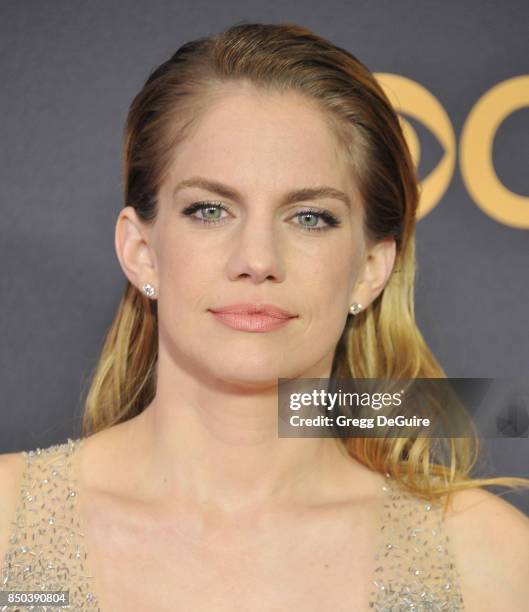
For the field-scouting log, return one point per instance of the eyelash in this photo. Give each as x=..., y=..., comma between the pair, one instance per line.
x=328, y=217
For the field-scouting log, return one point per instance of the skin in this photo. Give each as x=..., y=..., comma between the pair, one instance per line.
x=216, y=396
x=201, y=473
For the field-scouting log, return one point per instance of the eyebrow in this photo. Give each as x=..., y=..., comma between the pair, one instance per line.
x=298, y=195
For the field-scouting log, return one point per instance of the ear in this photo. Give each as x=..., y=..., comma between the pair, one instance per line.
x=131, y=241
x=375, y=271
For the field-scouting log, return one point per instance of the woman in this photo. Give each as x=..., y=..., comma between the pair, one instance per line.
x=265, y=167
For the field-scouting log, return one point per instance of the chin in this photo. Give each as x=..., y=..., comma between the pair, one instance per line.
x=252, y=374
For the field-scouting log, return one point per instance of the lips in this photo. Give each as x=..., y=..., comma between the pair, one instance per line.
x=268, y=310
x=257, y=318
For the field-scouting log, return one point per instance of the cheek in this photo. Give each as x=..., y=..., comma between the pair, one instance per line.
x=183, y=280
x=327, y=279
x=185, y=275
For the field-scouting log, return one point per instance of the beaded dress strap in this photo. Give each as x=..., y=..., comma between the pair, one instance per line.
x=46, y=552
x=415, y=568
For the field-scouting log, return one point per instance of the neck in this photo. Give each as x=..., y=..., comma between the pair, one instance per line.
x=218, y=446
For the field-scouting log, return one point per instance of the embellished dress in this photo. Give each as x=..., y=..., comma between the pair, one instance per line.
x=414, y=566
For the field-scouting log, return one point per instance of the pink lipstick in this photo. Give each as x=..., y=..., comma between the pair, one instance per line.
x=253, y=317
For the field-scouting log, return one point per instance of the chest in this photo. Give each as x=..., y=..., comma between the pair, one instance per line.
x=314, y=563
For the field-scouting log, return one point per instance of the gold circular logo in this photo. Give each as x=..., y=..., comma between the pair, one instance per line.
x=409, y=97
x=476, y=144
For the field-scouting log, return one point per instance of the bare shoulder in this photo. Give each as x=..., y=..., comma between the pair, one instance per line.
x=11, y=470
x=490, y=541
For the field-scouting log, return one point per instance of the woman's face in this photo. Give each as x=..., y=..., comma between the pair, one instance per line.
x=255, y=245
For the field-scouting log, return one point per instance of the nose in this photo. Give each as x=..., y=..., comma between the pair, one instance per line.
x=256, y=251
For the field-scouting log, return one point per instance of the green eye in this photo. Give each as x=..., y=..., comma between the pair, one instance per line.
x=212, y=211
x=309, y=216
x=330, y=220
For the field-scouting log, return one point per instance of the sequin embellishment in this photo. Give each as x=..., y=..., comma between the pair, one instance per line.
x=415, y=569
x=46, y=551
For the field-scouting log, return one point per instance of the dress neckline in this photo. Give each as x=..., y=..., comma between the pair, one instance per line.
x=76, y=445
x=412, y=562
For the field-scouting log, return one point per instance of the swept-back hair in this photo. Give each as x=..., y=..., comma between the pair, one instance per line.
x=383, y=341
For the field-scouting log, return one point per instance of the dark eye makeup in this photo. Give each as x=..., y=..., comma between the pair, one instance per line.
x=314, y=213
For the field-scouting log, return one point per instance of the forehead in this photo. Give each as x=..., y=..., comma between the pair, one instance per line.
x=263, y=139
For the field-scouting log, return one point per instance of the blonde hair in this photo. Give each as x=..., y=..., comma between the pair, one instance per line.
x=382, y=341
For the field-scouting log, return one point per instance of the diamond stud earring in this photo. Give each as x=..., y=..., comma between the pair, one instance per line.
x=149, y=290
x=355, y=308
